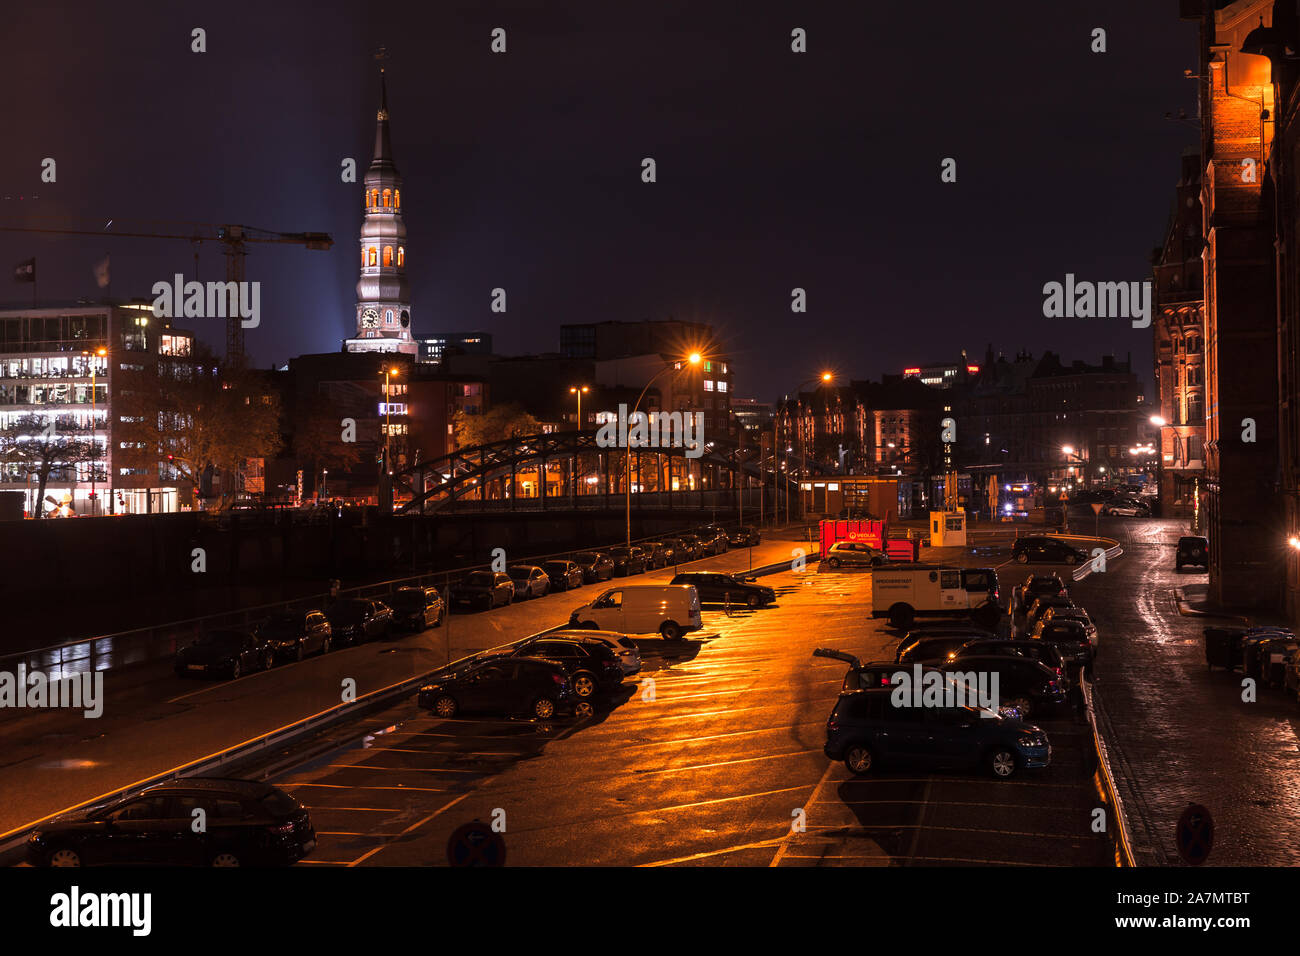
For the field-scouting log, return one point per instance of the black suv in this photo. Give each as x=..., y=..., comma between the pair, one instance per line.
x=591, y=665
x=596, y=566
x=866, y=729
x=628, y=560
x=1040, y=585
x=244, y=823
x=1036, y=548
x=417, y=608
x=1192, y=551
x=933, y=646
x=746, y=536
x=1019, y=679
x=225, y=653
x=720, y=588
x=356, y=620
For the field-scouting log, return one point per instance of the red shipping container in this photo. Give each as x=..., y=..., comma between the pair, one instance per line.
x=872, y=532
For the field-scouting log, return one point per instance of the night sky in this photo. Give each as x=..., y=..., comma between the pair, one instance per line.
x=522, y=170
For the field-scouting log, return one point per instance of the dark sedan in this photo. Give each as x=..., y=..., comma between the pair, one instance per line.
x=691, y=548
x=596, y=566
x=923, y=646
x=501, y=685
x=244, y=823
x=627, y=560
x=224, y=654
x=483, y=590
x=592, y=665
x=657, y=555
x=1047, y=654
x=357, y=620
x=295, y=634
x=723, y=588
x=1033, y=685
x=744, y=537
x=1040, y=548
x=712, y=538
x=564, y=575
x=866, y=730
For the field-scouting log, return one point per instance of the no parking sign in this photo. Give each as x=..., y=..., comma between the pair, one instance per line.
x=1194, y=835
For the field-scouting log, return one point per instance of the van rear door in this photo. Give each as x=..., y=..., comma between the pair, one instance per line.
x=952, y=596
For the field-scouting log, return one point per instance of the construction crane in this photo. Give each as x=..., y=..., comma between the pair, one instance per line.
x=232, y=237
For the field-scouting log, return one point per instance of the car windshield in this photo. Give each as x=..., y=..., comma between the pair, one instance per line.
x=405, y=599
x=586, y=557
x=282, y=622
x=554, y=567
x=479, y=579
x=348, y=611
x=280, y=803
x=520, y=574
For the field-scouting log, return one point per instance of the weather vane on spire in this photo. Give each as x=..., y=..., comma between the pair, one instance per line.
x=381, y=56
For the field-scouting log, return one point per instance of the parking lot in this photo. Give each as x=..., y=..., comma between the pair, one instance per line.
x=711, y=767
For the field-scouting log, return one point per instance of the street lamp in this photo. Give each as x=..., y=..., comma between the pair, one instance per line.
x=825, y=378
x=101, y=352
x=693, y=359
x=579, y=390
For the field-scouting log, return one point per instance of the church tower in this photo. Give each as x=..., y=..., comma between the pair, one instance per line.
x=383, y=294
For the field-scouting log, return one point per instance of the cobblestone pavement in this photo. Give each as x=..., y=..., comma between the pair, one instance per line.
x=1180, y=733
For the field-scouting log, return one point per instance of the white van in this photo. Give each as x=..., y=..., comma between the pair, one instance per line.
x=670, y=609
x=906, y=592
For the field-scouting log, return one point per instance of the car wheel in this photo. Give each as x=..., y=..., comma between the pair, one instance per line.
x=859, y=760
x=833, y=563
x=225, y=858
x=302, y=651
x=583, y=709
x=588, y=626
x=752, y=601
x=1023, y=557
x=325, y=646
x=1071, y=559
x=900, y=617
x=445, y=707
x=65, y=856
x=1002, y=762
x=235, y=670
x=670, y=630
x=268, y=660
x=584, y=685
x=543, y=708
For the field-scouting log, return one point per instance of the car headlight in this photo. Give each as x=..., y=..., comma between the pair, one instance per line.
x=1033, y=740
x=35, y=837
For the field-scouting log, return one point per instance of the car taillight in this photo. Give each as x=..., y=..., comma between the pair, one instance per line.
x=1052, y=685
x=558, y=678
x=283, y=829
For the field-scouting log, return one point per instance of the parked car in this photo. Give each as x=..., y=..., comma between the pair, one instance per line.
x=529, y=581
x=225, y=653
x=674, y=550
x=713, y=538
x=484, y=590
x=247, y=823
x=627, y=560
x=1040, y=606
x=357, y=620
x=501, y=685
x=854, y=554
x=1045, y=653
x=717, y=588
x=1040, y=585
x=657, y=555
x=865, y=730
x=691, y=548
x=1072, y=614
x=1127, y=508
x=416, y=608
x=629, y=655
x=295, y=634
x=564, y=575
x=1193, y=552
x=933, y=647
x=592, y=665
x=642, y=609
x=746, y=536
x=1040, y=548
x=596, y=566
x=1019, y=679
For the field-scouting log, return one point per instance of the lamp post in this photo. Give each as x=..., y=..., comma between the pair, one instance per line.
x=1160, y=423
x=825, y=378
x=579, y=390
x=693, y=359
x=101, y=353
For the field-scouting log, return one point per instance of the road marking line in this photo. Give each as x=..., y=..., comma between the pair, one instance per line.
x=816, y=795
x=701, y=856
x=725, y=763
x=413, y=826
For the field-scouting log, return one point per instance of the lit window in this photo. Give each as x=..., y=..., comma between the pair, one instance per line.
x=397, y=199
x=374, y=256
x=374, y=197
x=388, y=256
x=388, y=316
x=367, y=199
x=722, y=386
x=388, y=198
x=401, y=256
x=708, y=385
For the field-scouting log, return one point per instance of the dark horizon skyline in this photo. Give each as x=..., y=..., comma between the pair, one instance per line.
x=522, y=171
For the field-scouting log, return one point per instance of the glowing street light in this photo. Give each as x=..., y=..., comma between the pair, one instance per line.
x=694, y=358
x=579, y=390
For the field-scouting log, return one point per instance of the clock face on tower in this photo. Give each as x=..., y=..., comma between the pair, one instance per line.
x=370, y=319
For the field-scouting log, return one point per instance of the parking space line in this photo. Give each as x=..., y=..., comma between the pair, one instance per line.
x=364, y=766
x=413, y=826
x=336, y=786
x=709, y=853
x=726, y=763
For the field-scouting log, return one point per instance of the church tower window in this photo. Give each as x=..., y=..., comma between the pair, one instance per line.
x=373, y=256
x=388, y=198
x=397, y=198
x=401, y=257
x=388, y=256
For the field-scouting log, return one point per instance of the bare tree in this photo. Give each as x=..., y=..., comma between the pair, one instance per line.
x=33, y=447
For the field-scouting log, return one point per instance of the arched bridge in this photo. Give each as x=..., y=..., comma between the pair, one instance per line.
x=565, y=470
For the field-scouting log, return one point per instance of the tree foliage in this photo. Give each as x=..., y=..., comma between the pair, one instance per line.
x=496, y=424
x=33, y=447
